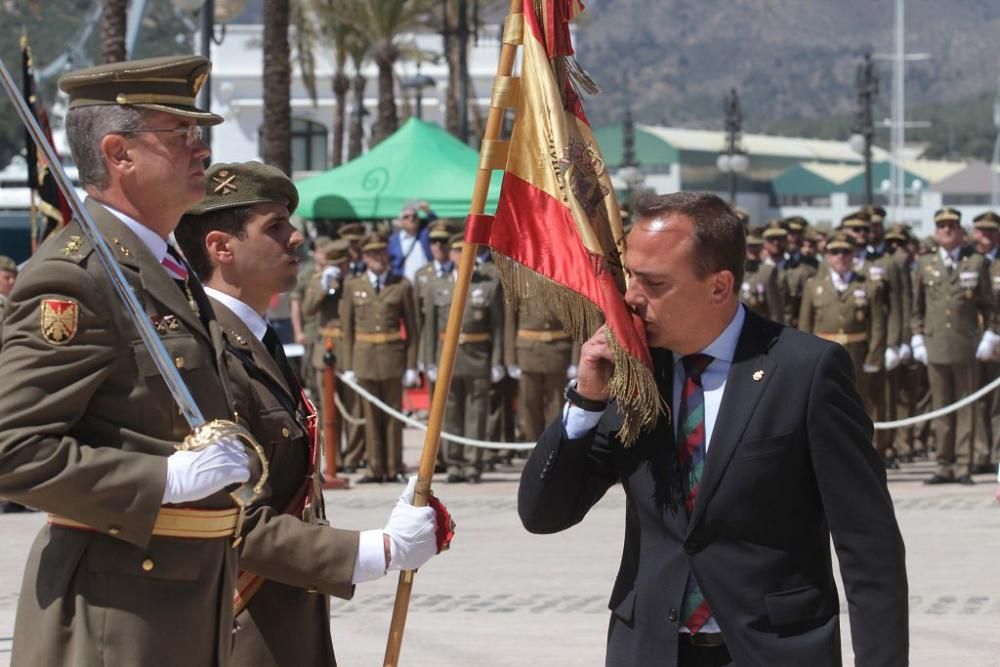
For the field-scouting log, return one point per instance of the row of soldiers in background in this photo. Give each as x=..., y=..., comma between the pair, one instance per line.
x=383, y=328
x=919, y=319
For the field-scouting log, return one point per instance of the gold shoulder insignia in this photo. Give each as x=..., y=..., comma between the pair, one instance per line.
x=121, y=248
x=59, y=320
x=72, y=246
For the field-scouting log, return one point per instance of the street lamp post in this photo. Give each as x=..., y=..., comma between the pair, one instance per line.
x=418, y=83
x=866, y=82
x=734, y=161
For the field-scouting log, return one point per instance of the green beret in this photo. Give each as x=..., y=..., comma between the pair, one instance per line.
x=169, y=84
x=245, y=184
x=7, y=264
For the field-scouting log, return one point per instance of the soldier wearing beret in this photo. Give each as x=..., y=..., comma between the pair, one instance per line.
x=951, y=296
x=986, y=233
x=242, y=244
x=8, y=274
x=379, y=322
x=88, y=428
x=479, y=358
x=842, y=305
x=760, y=290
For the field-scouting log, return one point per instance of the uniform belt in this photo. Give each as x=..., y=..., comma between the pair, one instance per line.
x=542, y=335
x=331, y=332
x=175, y=522
x=703, y=639
x=844, y=339
x=379, y=338
x=465, y=338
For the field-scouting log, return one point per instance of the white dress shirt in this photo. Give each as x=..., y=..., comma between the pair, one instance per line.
x=840, y=283
x=578, y=421
x=410, y=246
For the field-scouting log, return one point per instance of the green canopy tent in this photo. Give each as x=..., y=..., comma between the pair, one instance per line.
x=419, y=161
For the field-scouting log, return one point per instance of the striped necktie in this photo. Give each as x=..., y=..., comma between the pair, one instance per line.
x=691, y=457
x=175, y=269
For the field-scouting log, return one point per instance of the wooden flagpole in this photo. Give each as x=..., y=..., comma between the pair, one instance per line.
x=446, y=365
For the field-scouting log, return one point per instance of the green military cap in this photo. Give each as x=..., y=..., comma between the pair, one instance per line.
x=245, y=184
x=439, y=231
x=457, y=240
x=754, y=236
x=840, y=241
x=336, y=251
x=987, y=220
x=169, y=84
x=7, y=264
x=897, y=232
x=858, y=219
x=352, y=231
x=795, y=223
x=374, y=241
x=947, y=214
x=775, y=230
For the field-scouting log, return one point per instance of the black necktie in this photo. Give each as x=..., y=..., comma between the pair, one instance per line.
x=277, y=352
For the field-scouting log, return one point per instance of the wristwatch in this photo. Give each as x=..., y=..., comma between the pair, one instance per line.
x=582, y=402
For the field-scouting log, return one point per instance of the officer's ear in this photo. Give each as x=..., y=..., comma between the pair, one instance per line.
x=114, y=149
x=218, y=244
x=722, y=286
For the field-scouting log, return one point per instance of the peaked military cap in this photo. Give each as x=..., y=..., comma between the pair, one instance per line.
x=352, y=231
x=987, y=220
x=7, y=264
x=321, y=242
x=897, y=232
x=457, y=240
x=245, y=184
x=336, y=251
x=796, y=223
x=374, y=241
x=439, y=231
x=840, y=241
x=857, y=219
x=169, y=84
x=947, y=214
x=875, y=213
x=775, y=230
x=754, y=236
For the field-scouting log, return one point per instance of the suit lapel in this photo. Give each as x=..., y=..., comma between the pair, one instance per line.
x=749, y=375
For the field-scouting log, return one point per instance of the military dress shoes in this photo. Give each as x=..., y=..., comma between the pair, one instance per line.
x=965, y=479
x=371, y=479
x=455, y=477
x=938, y=478
x=984, y=469
x=399, y=478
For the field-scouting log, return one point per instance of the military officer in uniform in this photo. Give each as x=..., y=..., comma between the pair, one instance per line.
x=951, y=295
x=986, y=233
x=760, y=290
x=906, y=380
x=842, y=305
x=478, y=360
x=440, y=265
x=353, y=232
x=241, y=243
x=8, y=274
x=135, y=565
x=380, y=350
x=796, y=269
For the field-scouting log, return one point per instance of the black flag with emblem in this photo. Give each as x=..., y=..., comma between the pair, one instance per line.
x=49, y=201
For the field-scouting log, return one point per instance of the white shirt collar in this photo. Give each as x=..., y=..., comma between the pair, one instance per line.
x=950, y=256
x=151, y=239
x=840, y=282
x=724, y=347
x=377, y=279
x=250, y=317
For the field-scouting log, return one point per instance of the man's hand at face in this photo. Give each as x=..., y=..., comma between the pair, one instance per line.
x=597, y=363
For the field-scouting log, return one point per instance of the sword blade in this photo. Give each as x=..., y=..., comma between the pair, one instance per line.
x=123, y=290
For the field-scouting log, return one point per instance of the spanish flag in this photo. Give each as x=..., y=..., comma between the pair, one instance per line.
x=557, y=232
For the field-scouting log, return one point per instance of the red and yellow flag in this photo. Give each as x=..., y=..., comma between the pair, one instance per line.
x=557, y=233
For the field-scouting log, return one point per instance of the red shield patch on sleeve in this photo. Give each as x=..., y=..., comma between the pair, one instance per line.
x=59, y=320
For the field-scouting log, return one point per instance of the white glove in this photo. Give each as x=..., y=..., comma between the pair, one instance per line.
x=411, y=532
x=905, y=353
x=571, y=372
x=196, y=475
x=497, y=373
x=870, y=368
x=432, y=373
x=349, y=376
x=410, y=378
x=514, y=372
x=919, y=349
x=330, y=275
x=891, y=358
x=987, y=346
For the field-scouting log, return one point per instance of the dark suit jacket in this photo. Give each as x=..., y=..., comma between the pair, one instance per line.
x=790, y=463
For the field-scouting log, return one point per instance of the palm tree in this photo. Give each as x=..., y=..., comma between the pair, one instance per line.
x=113, y=31
x=357, y=48
x=383, y=23
x=340, y=34
x=276, y=131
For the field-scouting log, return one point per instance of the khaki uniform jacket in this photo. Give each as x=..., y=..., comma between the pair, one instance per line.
x=884, y=271
x=536, y=356
x=854, y=311
x=948, y=314
x=903, y=267
x=483, y=317
x=287, y=621
x=994, y=282
x=420, y=281
x=794, y=276
x=86, y=422
x=364, y=312
x=321, y=307
x=761, y=290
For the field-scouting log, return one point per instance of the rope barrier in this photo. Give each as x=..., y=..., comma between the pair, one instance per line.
x=940, y=412
x=345, y=414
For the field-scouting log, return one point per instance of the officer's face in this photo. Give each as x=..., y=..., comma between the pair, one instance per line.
x=7, y=282
x=267, y=258
x=775, y=246
x=376, y=260
x=439, y=249
x=840, y=260
x=679, y=309
x=753, y=251
x=409, y=221
x=948, y=234
x=986, y=239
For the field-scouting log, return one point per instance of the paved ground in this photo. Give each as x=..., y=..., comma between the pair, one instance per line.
x=502, y=597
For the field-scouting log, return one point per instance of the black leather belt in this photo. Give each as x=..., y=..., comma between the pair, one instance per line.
x=702, y=639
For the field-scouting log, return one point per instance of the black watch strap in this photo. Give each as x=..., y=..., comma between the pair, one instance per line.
x=582, y=402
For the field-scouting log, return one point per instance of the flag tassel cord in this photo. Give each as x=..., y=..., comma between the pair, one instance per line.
x=511, y=39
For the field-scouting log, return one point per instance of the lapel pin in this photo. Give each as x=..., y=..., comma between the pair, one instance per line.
x=758, y=376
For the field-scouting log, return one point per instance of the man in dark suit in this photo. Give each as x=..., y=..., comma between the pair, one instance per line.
x=732, y=502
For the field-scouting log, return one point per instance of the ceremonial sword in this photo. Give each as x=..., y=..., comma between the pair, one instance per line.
x=203, y=432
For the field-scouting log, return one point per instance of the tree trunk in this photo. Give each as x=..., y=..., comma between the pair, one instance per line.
x=276, y=131
x=341, y=86
x=386, y=120
x=451, y=94
x=113, y=31
x=357, y=118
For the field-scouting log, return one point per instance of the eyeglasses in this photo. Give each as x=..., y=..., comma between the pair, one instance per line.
x=840, y=251
x=192, y=133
